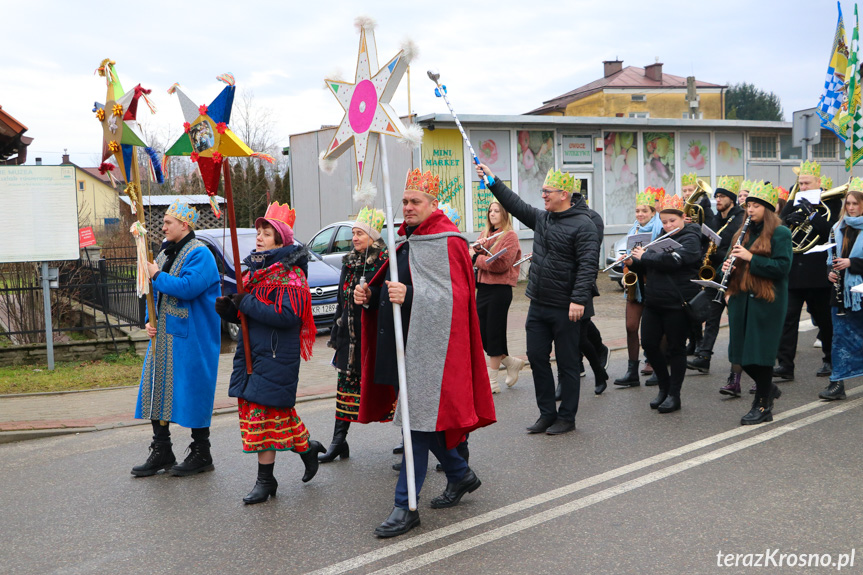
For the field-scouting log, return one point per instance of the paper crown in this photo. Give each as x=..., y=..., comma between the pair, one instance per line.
x=451, y=213
x=826, y=182
x=808, y=169
x=746, y=185
x=183, y=212
x=562, y=181
x=690, y=179
x=649, y=197
x=373, y=219
x=764, y=192
x=672, y=202
x=729, y=183
x=783, y=193
x=423, y=182
x=855, y=185
x=282, y=213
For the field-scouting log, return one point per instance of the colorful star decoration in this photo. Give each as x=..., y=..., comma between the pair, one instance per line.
x=207, y=139
x=366, y=102
x=118, y=116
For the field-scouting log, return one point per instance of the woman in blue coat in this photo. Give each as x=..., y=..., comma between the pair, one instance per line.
x=278, y=310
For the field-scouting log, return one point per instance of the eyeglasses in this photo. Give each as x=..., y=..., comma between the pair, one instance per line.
x=547, y=192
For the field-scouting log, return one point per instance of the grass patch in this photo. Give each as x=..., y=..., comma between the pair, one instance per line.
x=112, y=371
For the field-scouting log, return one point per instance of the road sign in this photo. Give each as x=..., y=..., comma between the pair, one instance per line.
x=805, y=128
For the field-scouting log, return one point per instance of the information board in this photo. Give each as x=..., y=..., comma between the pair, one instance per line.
x=39, y=217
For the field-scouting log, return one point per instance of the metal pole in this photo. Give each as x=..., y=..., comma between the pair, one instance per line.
x=49, y=327
x=805, y=137
x=400, y=342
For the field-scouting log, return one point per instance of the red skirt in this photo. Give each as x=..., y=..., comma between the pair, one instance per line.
x=271, y=428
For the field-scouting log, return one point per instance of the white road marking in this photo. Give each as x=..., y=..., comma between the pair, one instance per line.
x=525, y=504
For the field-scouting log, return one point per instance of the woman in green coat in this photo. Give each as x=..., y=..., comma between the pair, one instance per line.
x=758, y=294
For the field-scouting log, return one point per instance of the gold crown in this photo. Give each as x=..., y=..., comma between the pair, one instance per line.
x=855, y=185
x=562, y=181
x=374, y=219
x=423, y=182
x=729, y=183
x=649, y=197
x=764, y=192
x=826, y=182
x=183, y=212
x=672, y=202
x=746, y=185
x=690, y=179
x=808, y=168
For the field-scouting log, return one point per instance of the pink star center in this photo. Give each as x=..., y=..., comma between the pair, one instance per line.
x=364, y=103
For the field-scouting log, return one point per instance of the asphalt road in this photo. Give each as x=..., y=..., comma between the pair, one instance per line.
x=631, y=491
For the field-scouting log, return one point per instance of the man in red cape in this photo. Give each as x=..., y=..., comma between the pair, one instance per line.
x=447, y=381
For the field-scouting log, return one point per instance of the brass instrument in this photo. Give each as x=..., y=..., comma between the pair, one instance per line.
x=630, y=282
x=706, y=272
x=691, y=209
x=803, y=236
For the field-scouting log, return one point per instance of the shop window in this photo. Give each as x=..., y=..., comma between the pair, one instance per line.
x=827, y=148
x=763, y=147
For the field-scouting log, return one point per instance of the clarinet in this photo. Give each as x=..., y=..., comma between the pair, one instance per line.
x=839, y=286
x=720, y=294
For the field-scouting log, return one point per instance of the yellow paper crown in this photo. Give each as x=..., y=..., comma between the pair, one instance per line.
x=672, y=202
x=372, y=218
x=649, y=197
x=729, y=183
x=562, y=181
x=423, y=182
x=826, y=182
x=764, y=192
x=690, y=179
x=808, y=168
x=855, y=185
x=183, y=212
x=746, y=185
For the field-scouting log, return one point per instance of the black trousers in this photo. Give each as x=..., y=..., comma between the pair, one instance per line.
x=544, y=326
x=763, y=376
x=589, y=344
x=711, y=326
x=818, y=302
x=492, y=307
x=675, y=326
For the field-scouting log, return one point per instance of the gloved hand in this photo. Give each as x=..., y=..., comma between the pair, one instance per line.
x=805, y=205
x=237, y=298
x=796, y=218
x=226, y=309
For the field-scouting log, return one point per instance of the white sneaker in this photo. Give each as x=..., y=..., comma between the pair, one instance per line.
x=817, y=343
x=492, y=377
x=513, y=366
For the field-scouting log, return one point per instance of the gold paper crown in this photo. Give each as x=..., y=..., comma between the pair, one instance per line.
x=562, y=181
x=649, y=197
x=808, y=168
x=282, y=213
x=690, y=179
x=672, y=202
x=729, y=183
x=746, y=185
x=826, y=182
x=855, y=185
x=423, y=182
x=183, y=212
x=372, y=218
x=764, y=192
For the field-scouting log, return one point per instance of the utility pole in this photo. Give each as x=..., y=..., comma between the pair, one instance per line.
x=692, y=97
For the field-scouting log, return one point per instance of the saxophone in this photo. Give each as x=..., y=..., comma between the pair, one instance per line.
x=630, y=284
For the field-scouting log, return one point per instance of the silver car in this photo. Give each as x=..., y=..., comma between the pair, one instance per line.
x=615, y=274
x=333, y=242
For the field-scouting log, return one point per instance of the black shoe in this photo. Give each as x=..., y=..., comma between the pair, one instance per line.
x=826, y=370
x=760, y=413
x=161, y=457
x=541, y=425
x=690, y=348
x=600, y=387
x=732, y=385
x=652, y=380
x=700, y=363
x=775, y=393
x=630, y=378
x=557, y=393
x=836, y=390
x=455, y=491
x=339, y=446
x=400, y=448
x=397, y=466
x=658, y=400
x=198, y=460
x=399, y=522
x=671, y=403
x=784, y=372
x=265, y=486
x=560, y=427
x=604, y=356
x=310, y=459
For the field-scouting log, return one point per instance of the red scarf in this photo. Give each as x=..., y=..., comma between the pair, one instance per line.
x=273, y=282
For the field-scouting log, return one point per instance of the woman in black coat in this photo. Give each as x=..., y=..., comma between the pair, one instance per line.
x=667, y=283
x=363, y=262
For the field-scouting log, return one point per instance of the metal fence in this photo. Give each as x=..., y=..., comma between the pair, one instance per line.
x=102, y=284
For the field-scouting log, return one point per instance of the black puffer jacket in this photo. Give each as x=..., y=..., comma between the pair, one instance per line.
x=667, y=275
x=565, y=251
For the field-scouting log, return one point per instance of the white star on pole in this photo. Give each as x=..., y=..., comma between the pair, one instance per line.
x=368, y=113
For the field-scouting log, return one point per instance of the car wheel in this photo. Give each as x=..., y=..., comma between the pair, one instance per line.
x=234, y=331
x=620, y=283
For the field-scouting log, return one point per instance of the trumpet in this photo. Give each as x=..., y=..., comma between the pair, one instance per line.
x=723, y=286
x=691, y=208
x=803, y=236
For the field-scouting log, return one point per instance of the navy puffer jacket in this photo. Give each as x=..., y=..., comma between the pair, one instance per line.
x=274, y=338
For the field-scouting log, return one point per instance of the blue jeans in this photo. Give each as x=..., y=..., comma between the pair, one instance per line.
x=453, y=464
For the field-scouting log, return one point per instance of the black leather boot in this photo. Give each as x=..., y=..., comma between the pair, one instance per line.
x=161, y=457
x=455, y=491
x=836, y=390
x=652, y=380
x=661, y=396
x=399, y=522
x=198, y=460
x=760, y=413
x=669, y=404
x=265, y=486
x=699, y=363
x=339, y=446
x=630, y=378
x=310, y=459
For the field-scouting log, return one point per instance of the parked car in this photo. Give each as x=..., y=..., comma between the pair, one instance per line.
x=334, y=241
x=323, y=278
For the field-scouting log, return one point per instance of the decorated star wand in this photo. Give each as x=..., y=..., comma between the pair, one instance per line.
x=440, y=92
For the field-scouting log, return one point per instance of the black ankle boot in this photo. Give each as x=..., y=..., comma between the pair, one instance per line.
x=161, y=457
x=339, y=446
x=265, y=486
x=669, y=404
x=310, y=459
x=198, y=460
x=652, y=380
x=659, y=399
x=630, y=378
x=760, y=412
x=836, y=390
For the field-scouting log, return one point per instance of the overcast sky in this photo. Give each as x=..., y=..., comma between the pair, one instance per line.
x=501, y=57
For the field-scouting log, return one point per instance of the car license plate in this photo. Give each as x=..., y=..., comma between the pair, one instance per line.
x=324, y=309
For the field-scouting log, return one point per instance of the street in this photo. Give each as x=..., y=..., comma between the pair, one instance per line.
x=631, y=491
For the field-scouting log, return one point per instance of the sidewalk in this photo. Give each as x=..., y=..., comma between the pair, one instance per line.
x=42, y=415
